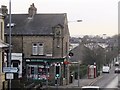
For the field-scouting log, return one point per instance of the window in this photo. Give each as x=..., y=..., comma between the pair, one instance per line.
x=34, y=49
x=38, y=49
x=1, y=30
x=15, y=64
x=32, y=70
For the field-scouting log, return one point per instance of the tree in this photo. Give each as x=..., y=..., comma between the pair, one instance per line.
x=95, y=55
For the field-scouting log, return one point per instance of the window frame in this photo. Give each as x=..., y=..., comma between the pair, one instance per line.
x=38, y=52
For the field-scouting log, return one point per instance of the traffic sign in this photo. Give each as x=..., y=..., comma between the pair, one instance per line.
x=10, y=69
x=9, y=76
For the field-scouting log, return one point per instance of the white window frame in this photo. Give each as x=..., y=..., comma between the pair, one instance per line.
x=34, y=49
x=37, y=49
x=40, y=49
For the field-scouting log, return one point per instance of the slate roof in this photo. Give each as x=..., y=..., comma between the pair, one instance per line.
x=78, y=53
x=40, y=24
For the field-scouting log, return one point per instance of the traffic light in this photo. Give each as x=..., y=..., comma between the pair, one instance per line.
x=32, y=70
x=71, y=54
x=57, y=70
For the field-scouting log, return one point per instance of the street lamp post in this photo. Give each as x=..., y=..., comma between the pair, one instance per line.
x=9, y=58
x=78, y=73
x=75, y=21
x=78, y=61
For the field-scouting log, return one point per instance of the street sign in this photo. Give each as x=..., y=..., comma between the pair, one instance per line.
x=10, y=69
x=9, y=76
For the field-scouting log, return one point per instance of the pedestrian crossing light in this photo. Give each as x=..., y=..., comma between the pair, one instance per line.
x=57, y=75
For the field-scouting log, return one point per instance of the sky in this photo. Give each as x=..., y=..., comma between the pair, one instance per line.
x=98, y=16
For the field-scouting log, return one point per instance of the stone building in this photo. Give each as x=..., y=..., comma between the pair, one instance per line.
x=3, y=45
x=43, y=39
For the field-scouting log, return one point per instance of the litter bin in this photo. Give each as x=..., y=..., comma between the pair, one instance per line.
x=71, y=78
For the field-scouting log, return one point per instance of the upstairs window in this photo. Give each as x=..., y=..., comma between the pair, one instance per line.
x=1, y=31
x=38, y=49
x=12, y=25
x=34, y=49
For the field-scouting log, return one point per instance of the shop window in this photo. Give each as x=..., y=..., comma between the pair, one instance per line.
x=32, y=70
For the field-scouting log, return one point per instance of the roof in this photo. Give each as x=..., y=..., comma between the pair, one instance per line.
x=2, y=45
x=40, y=24
x=78, y=53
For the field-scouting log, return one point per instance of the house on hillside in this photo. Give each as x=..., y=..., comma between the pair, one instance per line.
x=43, y=39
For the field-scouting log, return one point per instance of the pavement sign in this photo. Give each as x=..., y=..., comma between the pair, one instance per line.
x=9, y=76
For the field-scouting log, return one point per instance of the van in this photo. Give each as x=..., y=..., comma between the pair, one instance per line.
x=106, y=69
x=90, y=88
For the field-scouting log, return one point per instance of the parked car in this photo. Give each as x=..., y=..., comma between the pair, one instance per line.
x=90, y=88
x=117, y=63
x=117, y=70
x=106, y=69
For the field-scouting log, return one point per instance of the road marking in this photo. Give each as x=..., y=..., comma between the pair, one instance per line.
x=96, y=79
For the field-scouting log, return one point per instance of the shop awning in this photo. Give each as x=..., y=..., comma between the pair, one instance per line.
x=46, y=60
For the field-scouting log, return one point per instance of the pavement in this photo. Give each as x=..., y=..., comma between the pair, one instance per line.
x=82, y=82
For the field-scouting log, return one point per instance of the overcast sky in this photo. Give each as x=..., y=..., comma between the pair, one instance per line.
x=98, y=16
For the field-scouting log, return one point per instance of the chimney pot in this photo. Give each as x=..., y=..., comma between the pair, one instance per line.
x=4, y=10
x=32, y=10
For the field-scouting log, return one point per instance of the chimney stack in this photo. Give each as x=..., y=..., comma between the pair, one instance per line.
x=32, y=10
x=4, y=10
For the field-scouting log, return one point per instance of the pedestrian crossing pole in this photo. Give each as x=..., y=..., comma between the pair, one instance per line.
x=46, y=67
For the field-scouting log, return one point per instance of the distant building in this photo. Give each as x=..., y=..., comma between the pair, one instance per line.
x=73, y=45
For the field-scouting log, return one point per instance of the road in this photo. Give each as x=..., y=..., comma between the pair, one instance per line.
x=108, y=80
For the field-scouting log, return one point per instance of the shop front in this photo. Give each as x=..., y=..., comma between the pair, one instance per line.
x=43, y=69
